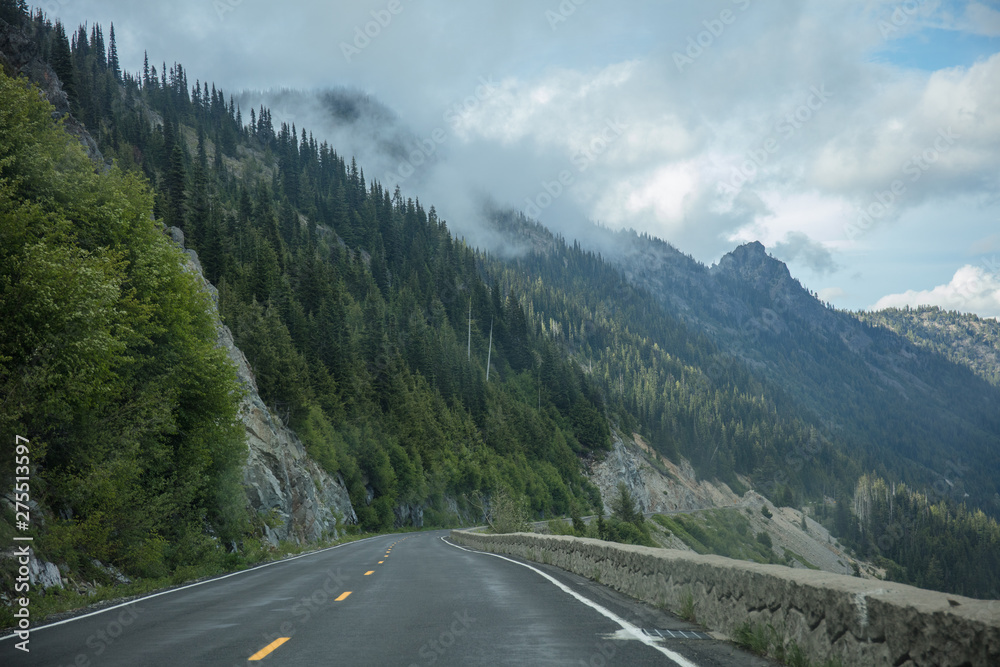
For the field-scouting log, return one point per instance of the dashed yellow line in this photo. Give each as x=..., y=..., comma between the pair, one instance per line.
x=343, y=596
x=380, y=562
x=369, y=572
x=267, y=650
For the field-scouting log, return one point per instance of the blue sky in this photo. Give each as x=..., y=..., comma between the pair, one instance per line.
x=859, y=141
x=933, y=49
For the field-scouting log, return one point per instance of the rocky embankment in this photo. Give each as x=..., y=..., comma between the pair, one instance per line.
x=296, y=498
x=657, y=484
x=662, y=486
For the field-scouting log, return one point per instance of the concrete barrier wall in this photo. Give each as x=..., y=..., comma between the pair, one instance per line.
x=858, y=621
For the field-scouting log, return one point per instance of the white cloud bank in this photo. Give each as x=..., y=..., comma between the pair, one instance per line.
x=972, y=289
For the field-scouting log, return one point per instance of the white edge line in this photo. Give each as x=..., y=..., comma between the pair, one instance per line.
x=628, y=627
x=182, y=588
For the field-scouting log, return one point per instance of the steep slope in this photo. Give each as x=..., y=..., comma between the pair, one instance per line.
x=423, y=373
x=964, y=338
x=892, y=406
x=112, y=378
x=352, y=306
x=294, y=498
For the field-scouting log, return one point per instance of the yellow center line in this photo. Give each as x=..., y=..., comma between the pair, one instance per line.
x=266, y=651
x=343, y=596
x=369, y=572
x=380, y=562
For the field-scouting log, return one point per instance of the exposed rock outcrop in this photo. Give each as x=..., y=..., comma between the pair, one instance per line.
x=657, y=484
x=298, y=500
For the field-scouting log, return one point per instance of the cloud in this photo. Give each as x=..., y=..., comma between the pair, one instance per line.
x=830, y=294
x=985, y=245
x=973, y=289
x=734, y=146
x=981, y=20
x=799, y=248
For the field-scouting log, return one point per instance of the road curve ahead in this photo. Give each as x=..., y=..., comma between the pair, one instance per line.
x=406, y=600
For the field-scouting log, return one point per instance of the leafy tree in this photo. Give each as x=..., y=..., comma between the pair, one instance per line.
x=108, y=357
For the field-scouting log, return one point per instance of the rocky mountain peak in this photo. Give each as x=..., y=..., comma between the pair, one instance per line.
x=750, y=261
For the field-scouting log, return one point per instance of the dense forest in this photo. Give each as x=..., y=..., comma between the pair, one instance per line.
x=964, y=338
x=108, y=362
x=927, y=540
x=423, y=371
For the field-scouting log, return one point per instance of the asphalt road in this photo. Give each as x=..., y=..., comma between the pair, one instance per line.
x=393, y=600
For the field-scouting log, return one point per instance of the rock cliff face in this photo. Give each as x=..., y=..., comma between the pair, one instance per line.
x=280, y=479
x=657, y=484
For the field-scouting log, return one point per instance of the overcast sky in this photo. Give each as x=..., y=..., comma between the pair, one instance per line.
x=858, y=141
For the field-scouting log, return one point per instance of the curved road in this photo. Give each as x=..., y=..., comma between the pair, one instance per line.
x=412, y=599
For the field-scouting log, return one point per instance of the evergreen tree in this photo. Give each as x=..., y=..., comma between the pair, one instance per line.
x=113, y=55
x=14, y=12
x=62, y=62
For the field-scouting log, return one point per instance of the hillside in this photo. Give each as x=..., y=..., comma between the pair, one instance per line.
x=964, y=338
x=417, y=375
x=889, y=404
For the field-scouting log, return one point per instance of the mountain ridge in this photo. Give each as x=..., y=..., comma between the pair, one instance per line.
x=423, y=372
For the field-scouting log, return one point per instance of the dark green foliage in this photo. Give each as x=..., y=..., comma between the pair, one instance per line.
x=624, y=507
x=108, y=362
x=352, y=303
x=962, y=337
x=625, y=532
x=13, y=11
x=928, y=541
x=724, y=532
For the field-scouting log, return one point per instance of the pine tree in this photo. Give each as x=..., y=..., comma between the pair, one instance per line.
x=175, y=187
x=13, y=11
x=113, y=55
x=62, y=62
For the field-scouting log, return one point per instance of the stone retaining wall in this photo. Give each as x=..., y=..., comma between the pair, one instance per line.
x=858, y=621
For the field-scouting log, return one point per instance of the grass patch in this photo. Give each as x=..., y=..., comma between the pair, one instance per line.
x=791, y=554
x=687, y=607
x=724, y=532
x=763, y=640
x=758, y=638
